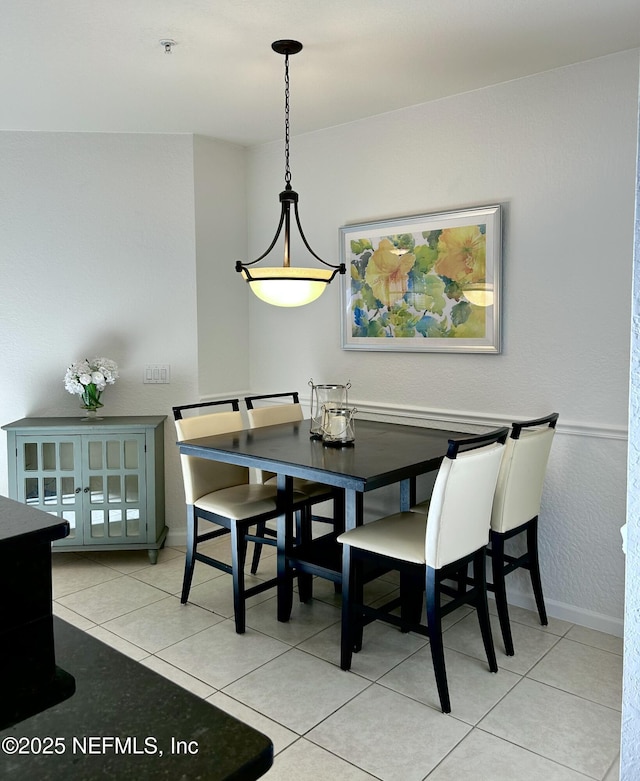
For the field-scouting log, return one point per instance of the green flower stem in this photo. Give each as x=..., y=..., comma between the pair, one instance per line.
x=91, y=397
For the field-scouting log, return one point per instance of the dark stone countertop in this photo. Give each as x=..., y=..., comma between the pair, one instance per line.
x=20, y=522
x=124, y=722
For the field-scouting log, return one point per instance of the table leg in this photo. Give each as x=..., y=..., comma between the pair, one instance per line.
x=407, y=493
x=285, y=532
x=353, y=508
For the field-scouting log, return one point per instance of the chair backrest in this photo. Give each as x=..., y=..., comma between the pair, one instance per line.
x=249, y=400
x=200, y=475
x=279, y=413
x=460, y=508
x=270, y=416
x=200, y=405
x=522, y=473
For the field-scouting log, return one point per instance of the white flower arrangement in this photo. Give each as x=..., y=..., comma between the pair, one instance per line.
x=89, y=378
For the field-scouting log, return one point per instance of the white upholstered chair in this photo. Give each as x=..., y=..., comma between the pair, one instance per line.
x=271, y=415
x=515, y=511
x=314, y=493
x=429, y=549
x=221, y=494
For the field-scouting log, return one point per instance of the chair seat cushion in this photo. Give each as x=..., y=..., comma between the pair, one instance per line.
x=400, y=536
x=309, y=488
x=240, y=501
x=421, y=507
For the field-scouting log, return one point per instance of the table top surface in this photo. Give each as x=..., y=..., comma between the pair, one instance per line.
x=117, y=698
x=383, y=453
x=19, y=521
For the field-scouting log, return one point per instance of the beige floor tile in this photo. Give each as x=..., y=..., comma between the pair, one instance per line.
x=531, y=618
x=125, y=647
x=473, y=689
x=455, y=616
x=304, y=761
x=169, y=574
x=177, y=676
x=389, y=736
x=61, y=557
x=71, y=617
x=216, y=594
x=218, y=655
x=384, y=648
x=448, y=621
x=111, y=599
x=297, y=690
x=583, y=670
x=375, y=591
x=597, y=639
x=560, y=726
x=268, y=566
x=554, y=724
x=393, y=576
x=70, y=575
x=530, y=644
x=280, y=736
x=306, y=619
x=128, y=561
x=484, y=757
x=161, y=623
x=221, y=549
x=614, y=771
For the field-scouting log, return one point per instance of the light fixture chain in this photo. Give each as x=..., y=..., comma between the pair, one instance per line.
x=288, y=286
x=287, y=169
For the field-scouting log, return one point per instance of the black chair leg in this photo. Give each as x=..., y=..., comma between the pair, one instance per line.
x=534, y=569
x=305, y=586
x=462, y=580
x=499, y=588
x=410, y=599
x=346, y=638
x=190, y=559
x=285, y=575
x=304, y=525
x=257, y=548
x=482, y=608
x=238, y=554
x=435, y=638
x=303, y=536
x=357, y=602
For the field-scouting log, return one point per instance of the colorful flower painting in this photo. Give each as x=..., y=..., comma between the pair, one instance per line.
x=428, y=283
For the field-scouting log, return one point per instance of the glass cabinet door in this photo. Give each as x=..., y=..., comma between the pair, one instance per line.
x=48, y=472
x=114, y=489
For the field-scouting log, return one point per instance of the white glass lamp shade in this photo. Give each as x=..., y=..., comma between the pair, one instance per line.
x=288, y=285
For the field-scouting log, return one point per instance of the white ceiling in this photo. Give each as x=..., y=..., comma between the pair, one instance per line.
x=84, y=65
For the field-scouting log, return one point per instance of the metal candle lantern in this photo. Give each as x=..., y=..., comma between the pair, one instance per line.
x=321, y=396
x=338, y=425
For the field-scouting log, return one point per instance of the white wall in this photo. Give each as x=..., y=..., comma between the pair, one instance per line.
x=97, y=256
x=558, y=151
x=221, y=239
x=630, y=748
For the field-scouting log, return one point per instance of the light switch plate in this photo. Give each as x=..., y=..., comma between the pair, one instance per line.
x=157, y=373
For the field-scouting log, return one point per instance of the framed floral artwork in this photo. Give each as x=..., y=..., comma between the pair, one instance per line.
x=429, y=283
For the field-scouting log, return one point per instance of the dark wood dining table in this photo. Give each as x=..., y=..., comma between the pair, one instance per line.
x=381, y=455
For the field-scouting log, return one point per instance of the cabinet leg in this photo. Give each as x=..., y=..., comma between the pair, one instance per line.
x=153, y=556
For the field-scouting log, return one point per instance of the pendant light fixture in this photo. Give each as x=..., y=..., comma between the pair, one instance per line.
x=288, y=285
